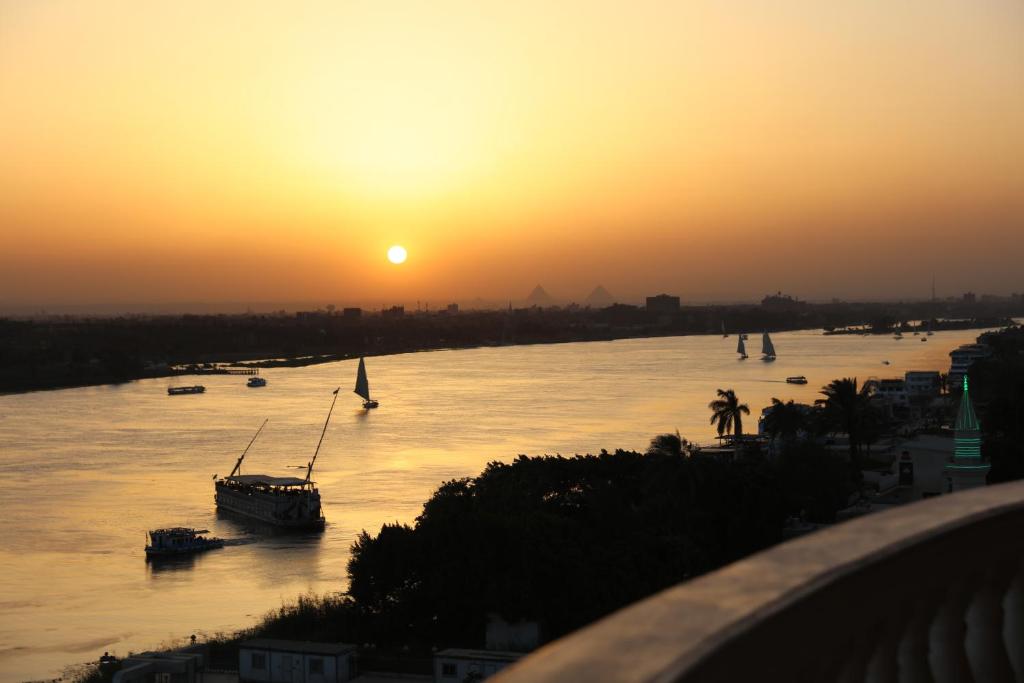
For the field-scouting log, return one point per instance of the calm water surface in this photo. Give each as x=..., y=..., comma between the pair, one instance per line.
x=87, y=471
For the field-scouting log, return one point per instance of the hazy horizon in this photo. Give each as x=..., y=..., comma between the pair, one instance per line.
x=257, y=152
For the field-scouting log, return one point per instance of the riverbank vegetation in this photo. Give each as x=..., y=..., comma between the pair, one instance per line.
x=64, y=351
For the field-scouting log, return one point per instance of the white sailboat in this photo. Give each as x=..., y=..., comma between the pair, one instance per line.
x=741, y=349
x=767, y=348
x=363, y=386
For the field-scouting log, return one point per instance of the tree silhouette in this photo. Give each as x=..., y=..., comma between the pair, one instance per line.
x=845, y=406
x=785, y=420
x=727, y=411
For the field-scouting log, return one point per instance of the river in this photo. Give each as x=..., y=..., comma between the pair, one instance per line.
x=87, y=471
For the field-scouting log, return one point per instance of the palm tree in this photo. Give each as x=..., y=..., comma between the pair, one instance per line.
x=845, y=406
x=728, y=412
x=669, y=444
x=784, y=420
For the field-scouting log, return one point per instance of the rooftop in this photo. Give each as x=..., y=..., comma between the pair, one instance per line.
x=297, y=646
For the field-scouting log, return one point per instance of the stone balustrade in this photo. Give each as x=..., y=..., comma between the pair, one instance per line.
x=928, y=592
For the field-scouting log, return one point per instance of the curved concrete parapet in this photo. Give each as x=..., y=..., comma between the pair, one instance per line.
x=932, y=591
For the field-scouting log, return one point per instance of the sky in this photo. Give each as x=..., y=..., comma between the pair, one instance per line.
x=238, y=151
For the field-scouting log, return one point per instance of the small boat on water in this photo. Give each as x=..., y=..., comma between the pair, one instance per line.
x=767, y=348
x=180, y=541
x=924, y=338
x=363, y=386
x=898, y=335
x=724, y=333
x=177, y=391
x=799, y=379
x=741, y=348
x=256, y=382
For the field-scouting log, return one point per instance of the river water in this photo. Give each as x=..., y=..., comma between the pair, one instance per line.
x=85, y=472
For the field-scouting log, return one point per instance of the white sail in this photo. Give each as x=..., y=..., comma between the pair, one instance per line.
x=741, y=348
x=767, y=348
x=362, y=384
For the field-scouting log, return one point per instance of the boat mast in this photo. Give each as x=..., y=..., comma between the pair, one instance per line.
x=242, y=456
x=309, y=469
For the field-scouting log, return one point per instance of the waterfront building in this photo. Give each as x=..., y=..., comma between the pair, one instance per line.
x=922, y=383
x=966, y=470
x=961, y=360
x=351, y=313
x=267, y=660
x=179, y=667
x=457, y=664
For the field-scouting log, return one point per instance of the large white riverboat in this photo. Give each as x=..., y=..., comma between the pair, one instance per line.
x=286, y=502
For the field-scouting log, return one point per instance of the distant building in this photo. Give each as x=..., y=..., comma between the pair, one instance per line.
x=966, y=471
x=455, y=665
x=393, y=312
x=267, y=660
x=352, y=312
x=969, y=297
x=172, y=667
x=922, y=382
x=452, y=309
x=782, y=302
x=663, y=303
x=961, y=360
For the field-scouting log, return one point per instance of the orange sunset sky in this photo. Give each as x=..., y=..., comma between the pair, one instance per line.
x=272, y=151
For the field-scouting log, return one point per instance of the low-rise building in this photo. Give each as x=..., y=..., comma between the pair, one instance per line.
x=161, y=667
x=267, y=660
x=455, y=665
x=922, y=382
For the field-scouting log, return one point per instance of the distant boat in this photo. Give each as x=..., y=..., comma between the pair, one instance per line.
x=179, y=541
x=767, y=348
x=885, y=362
x=724, y=333
x=930, y=333
x=799, y=379
x=177, y=391
x=898, y=335
x=256, y=382
x=924, y=338
x=363, y=386
x=741, y=348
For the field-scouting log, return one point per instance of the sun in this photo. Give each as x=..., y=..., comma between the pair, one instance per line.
x=397, y=254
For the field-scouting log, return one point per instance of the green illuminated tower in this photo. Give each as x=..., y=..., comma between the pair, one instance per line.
x=966, y=470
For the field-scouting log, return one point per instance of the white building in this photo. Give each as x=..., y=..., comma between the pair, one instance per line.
x=922, y=382
x=455, y=665
x=285, y=661
x=962, y=358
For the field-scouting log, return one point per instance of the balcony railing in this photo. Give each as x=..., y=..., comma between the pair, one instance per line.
x=932, y=591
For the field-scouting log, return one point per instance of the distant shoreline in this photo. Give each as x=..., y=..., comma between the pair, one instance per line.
x=222, y=363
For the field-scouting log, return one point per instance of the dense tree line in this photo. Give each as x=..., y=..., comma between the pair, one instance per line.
x=565, y=541
x=69, y=351
x=997, y=388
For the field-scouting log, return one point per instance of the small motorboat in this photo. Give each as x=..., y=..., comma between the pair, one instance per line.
x=885, y=362
x=180, y=541
x=799, y=379
x=924, y=338
x=256, y=382
x=177, y=391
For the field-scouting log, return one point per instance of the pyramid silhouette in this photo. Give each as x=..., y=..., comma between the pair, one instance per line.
x=600, y=297
x=538, y=297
